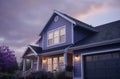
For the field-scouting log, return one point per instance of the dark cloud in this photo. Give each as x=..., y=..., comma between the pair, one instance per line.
x=22, y=20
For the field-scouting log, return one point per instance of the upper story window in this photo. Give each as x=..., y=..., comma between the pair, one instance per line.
x=56, y=36
x=62, y=35
x=50, y=38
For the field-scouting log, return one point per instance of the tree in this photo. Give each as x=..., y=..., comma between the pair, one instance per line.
x=8, y=63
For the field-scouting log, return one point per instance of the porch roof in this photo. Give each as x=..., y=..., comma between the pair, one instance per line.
x=34, y=49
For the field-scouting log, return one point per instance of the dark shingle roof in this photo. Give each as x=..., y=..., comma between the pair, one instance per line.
x=105, y=32
x=81, y=24
x=37, y=49
x=56, y=49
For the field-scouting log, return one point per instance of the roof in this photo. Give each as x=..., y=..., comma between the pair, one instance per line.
x=109, y=31
x=81, y=24
x=70, y=19
x=37, y=49
x=56, y=49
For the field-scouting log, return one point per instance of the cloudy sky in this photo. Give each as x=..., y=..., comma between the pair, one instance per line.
x=22, y=20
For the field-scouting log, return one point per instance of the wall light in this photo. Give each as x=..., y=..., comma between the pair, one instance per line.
x=44, y=60
x=77, y=57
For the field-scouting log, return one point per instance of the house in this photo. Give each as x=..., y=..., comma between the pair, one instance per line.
x=94, y=52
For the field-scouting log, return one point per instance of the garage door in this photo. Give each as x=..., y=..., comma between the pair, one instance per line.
x=102, y=66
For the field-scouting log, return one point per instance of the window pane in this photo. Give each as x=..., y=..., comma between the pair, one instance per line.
x=50, y=38
x=50, y=35
x=62, y=38
x=61, y=63
x=49, y=64
x=56, y=37
x=61, y=60
x=50, y=41
x=55, y=63
x=62, y=31
x=62, y=35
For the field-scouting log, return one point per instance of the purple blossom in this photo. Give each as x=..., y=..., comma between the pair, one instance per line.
x=7, y=57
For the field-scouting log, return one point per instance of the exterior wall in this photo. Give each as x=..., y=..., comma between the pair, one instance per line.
x=53, y=25
x=78, y=65
x=40, y=42
x=78, y=34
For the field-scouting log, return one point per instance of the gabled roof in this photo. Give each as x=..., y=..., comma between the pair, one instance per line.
x=107, y=32
x=70, y=19
x=35, y=49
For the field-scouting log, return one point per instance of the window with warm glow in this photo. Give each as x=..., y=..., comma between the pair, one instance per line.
x=49, y=64
x=61, y=62
x=62, y=35
x=50, y=38
x=56, y=36
x=55, y=63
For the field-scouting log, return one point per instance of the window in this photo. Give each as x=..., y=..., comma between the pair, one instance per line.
x=55, y=63
x=50, y=38
x=49, y=64
x=61, y=63
x=62, y=35
x=56, y=36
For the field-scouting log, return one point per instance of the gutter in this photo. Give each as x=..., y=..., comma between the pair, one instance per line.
x=96, y=44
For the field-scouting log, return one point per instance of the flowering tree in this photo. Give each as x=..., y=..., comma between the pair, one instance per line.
x=8, y=61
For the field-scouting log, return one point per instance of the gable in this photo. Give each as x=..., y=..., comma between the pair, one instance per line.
x=28, y=52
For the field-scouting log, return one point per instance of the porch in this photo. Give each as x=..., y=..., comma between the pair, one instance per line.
x=50, y=61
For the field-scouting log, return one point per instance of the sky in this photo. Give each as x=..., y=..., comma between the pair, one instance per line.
x=21, y=21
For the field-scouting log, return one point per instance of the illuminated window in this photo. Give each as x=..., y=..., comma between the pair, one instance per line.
x=55, y=63
x=62, y=35
x=50, y=38
x=49, y=64
x=61, y=62
x=56, y=36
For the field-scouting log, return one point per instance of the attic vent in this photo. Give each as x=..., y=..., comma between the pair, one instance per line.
x=56, y=18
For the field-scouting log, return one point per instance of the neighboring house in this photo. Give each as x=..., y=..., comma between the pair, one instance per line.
x=94, y=52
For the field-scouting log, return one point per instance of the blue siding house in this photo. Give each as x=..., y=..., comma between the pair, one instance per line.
x=94, y=52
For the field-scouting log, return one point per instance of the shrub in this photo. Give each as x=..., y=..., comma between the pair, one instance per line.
x=7, y=76
x=60, y=75
x=69, y=68
x=40, y=75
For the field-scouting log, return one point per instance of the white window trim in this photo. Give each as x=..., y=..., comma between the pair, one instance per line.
x=64, y=26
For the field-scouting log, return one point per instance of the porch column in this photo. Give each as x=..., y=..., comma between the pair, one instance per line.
x=65, y=59
x=38, y=63
x=24, y=64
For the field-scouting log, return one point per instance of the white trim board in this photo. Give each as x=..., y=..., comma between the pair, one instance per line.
x=70, y=20
x=33, y=50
